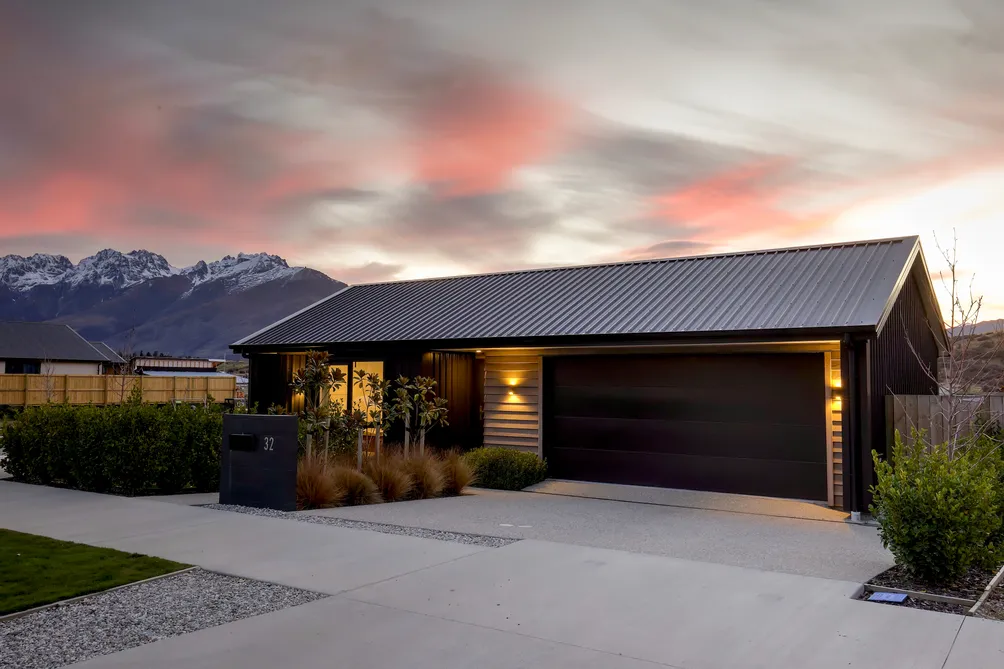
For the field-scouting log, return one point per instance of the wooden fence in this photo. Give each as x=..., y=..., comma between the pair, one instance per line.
x=932, y=413
x=30, y=389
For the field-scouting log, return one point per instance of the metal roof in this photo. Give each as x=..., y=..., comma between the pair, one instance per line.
x=106, y=350
x=45, y=341
x=837, y=286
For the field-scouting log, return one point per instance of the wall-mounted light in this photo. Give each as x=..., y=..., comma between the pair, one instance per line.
x=512, y=393
x=478, y=351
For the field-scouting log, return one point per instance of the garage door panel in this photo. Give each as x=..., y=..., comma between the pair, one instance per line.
x=747, y=423
x=797, y=480
x=737, y=440
x=658, y=403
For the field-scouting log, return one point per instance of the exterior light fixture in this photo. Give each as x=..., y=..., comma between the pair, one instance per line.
x=512, y=392
x=478, y=351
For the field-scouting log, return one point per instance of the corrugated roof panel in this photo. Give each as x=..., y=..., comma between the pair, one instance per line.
x=835, y=286
x=45, y=341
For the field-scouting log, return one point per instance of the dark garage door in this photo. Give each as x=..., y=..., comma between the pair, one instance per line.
x=752, y=424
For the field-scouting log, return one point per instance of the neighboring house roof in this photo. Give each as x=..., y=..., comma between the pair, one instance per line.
x=838, y=286
x=105, y=350
x=45, y=341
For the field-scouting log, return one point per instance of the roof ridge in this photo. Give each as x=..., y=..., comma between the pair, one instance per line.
x=620, y=263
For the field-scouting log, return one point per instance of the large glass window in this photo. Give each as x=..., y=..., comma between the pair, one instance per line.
x=341, y=395
x=375, y=367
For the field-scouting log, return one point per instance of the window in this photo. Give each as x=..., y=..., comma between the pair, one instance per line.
x=357, y=390
x=341, y=394
x=23, y=367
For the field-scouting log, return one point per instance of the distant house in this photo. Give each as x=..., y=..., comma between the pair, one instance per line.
x=163, y=365
x=116, y=364
x=49, y=348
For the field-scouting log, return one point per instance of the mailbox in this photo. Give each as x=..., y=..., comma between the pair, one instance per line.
x=258, y=461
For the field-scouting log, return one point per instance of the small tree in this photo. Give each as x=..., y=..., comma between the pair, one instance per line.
x=400, y=408
x=315, y=382
x=374, y=396
x=428, y=410
x=969, y=370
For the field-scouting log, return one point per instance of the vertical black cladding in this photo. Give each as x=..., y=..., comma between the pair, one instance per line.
x=258, y=461
x=266, y=384
x=454, y=373
x=903, y=356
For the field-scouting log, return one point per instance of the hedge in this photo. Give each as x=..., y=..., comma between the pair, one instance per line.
x=133, y=448
x=505, y=468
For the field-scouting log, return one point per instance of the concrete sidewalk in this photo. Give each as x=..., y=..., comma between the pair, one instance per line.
x=404, y=601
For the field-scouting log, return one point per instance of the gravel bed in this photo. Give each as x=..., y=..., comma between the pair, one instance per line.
x=113, y=621
x=993, y=607
x=441, y=535
x=970, y=586
x=913, y=603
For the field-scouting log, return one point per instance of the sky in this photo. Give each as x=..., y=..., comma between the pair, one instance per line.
x=391, y=139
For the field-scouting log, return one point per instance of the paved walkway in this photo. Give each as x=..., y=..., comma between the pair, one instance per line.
x=404, y=601
x=836, y=550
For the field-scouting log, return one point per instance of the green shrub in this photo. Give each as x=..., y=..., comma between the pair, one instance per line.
x=937, y=514
x=132, y=448
x=505, y=468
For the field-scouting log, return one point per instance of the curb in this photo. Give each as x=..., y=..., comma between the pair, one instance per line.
x=994, y=582
x=18, y=614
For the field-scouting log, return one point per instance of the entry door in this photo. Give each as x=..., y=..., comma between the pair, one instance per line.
x=743, y=423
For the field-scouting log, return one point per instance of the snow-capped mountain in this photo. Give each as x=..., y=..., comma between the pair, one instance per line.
x=138, y=300
x=121, y=270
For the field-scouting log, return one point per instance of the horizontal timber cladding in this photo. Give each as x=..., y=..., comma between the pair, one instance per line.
x=512, y=400
x=836, y=428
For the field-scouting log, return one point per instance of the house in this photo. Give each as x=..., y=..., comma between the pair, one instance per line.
x=116, y=364
x=762, y=372
x=51, y=349
x=165, y=365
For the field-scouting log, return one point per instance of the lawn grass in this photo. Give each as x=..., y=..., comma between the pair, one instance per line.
x=37, y=570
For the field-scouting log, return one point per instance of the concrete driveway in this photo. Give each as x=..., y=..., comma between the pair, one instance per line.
x=825, y=549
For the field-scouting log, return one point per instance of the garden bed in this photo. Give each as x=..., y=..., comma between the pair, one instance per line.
x=969, y=589
x=112, y=621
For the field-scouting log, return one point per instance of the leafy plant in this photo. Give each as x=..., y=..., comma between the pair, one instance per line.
x=457, y=473
x=315, y=382
x=132, y=448
x=359, y=488
x=505, y=468
x=937, y=510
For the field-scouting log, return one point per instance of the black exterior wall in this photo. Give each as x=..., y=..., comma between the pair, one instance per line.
x=895, y=362
x=902, y=357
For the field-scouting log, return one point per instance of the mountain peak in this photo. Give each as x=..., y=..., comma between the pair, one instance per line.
x=241, y=272
x=117, y=269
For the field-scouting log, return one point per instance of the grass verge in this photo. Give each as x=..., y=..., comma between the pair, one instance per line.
x=37, y=570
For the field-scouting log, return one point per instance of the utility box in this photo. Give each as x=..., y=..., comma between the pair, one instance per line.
x=258, y=461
